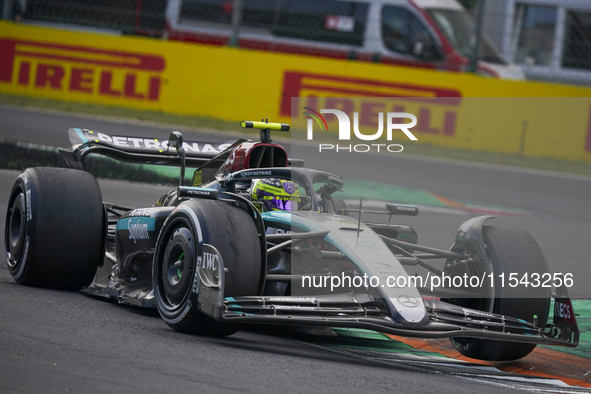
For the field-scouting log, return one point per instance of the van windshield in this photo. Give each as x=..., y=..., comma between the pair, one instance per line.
x=458, y=27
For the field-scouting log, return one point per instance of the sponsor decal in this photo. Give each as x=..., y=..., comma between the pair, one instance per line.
x=275, y=230
x=186, y=191
x=315, y=85
x=82, y=69
x=154, y=143
x=475, y=312
x=138, y=230
x=563, y=311
x=141, y=212
x=289, y=187
x=435, y=108
x=139, y=227
x=248, y=174
x=304, y=308
x=210, y=261
x=272, y=181
x=335, y=178
x=199, y=192
x=210, y=266
x=403, y=208
x=368, y=245
x=28, y=204
x=340, y=23
x=408, y=301
x=293, y=299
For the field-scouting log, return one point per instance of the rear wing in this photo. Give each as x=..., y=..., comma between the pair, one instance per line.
x=139, y=150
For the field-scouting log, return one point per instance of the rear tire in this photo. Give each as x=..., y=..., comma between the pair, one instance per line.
x=233, y=233
x=511, y=250
x=55, y=228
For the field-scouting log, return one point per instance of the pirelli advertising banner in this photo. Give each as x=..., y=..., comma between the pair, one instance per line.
x=456, y=110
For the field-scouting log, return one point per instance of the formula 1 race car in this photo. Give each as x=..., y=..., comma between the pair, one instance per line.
x=212, y=257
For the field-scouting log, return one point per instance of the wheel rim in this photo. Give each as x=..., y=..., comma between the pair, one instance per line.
x=177, y=267
x=15, y=231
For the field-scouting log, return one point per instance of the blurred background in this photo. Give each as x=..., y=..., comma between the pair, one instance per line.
x=141, y=68
x=547, y=40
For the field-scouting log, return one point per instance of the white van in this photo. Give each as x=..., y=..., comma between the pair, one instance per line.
x=435, y=34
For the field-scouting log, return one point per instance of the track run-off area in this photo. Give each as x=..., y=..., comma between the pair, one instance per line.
x=55, y=341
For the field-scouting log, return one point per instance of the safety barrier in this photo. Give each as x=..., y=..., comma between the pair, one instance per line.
x=233, y=84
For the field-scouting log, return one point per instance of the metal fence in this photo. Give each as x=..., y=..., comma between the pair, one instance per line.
x=145, y=17
x=548, y=39
x=331, y=28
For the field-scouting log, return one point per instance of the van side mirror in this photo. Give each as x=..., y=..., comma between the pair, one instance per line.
x=418, y=48
x=426, y=51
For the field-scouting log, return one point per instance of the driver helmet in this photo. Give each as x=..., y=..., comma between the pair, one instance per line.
x=276, y=194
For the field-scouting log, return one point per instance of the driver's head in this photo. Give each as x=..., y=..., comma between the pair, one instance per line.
x=276, y=194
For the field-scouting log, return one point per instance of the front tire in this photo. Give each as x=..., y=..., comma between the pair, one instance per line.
x=55, y=228
x=511, y=250
x=228, y=229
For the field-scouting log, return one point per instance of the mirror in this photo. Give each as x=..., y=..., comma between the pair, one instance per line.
x=418, y=48
x=175, y=140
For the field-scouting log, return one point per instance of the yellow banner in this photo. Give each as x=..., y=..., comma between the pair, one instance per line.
x=235, y=85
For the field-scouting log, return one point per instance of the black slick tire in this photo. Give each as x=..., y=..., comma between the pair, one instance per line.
x=55, y=228
x=228, y=229
x=512, y=251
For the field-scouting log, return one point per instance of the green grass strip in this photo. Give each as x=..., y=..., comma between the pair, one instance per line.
x=361, y=333
x=354, y=188
x=375, y=341
x=583, y=309
x=380, y=191
x=16, y=157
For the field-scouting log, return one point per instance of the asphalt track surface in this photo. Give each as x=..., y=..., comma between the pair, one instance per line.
x=54, y=341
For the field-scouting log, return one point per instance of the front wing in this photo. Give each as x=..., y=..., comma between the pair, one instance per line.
x=361, y=311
